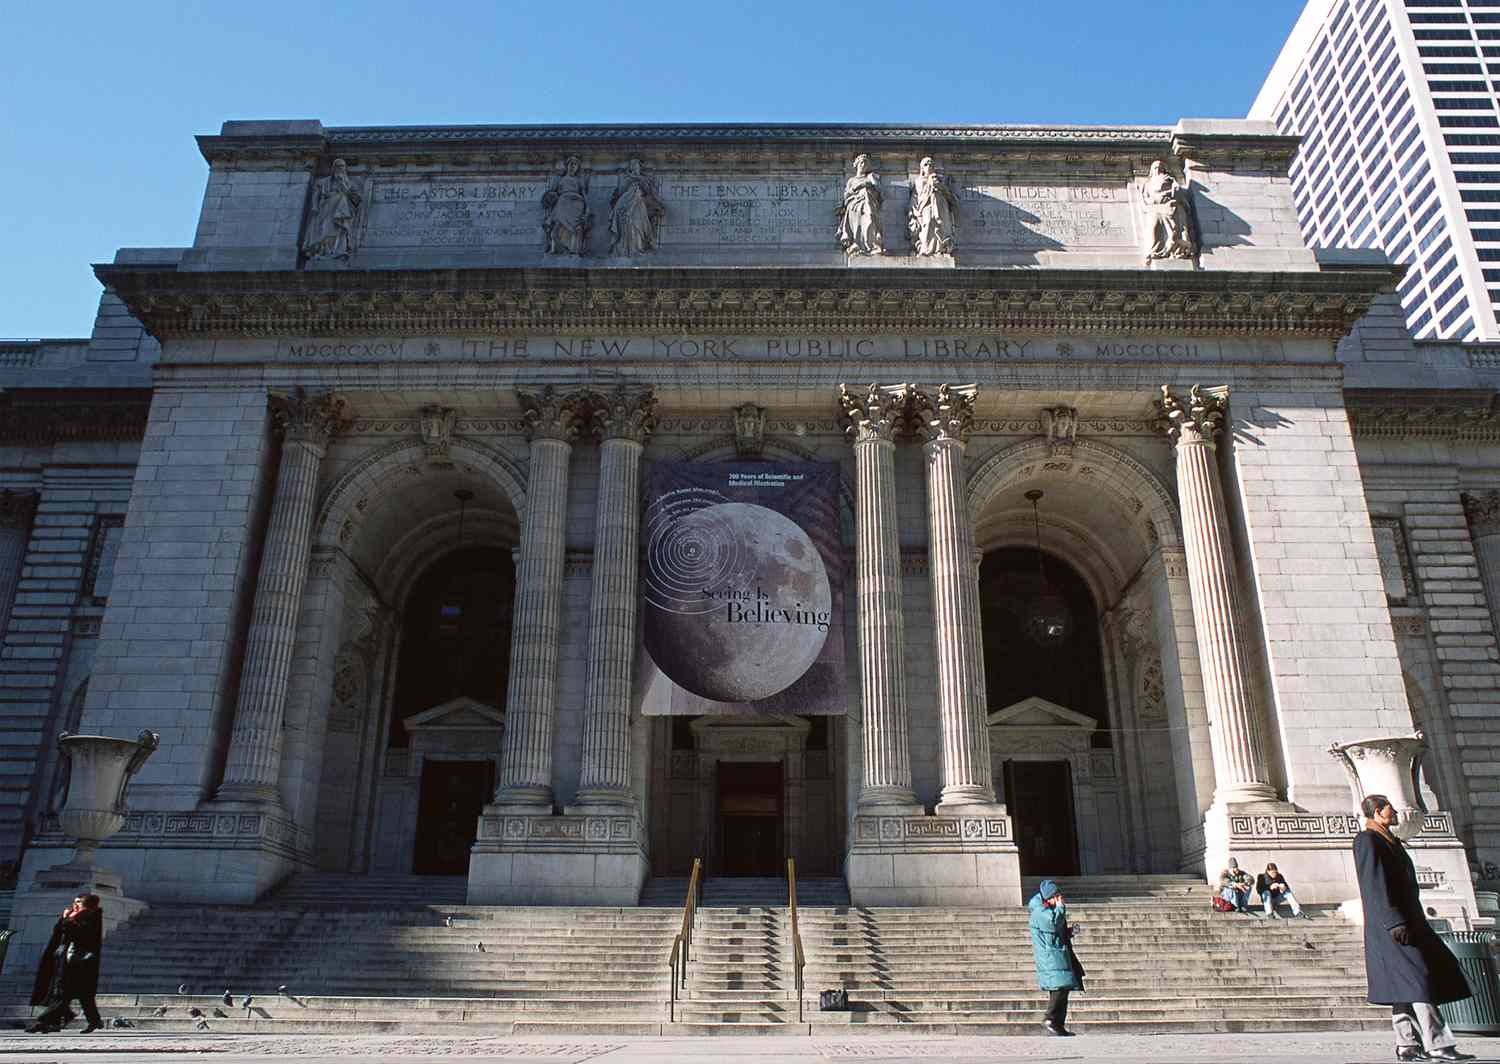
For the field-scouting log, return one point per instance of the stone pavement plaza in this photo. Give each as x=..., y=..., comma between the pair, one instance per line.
x=1322, y=1048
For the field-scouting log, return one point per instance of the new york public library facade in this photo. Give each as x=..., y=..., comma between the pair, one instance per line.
x=554, y=506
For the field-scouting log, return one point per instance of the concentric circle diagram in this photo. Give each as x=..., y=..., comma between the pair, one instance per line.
x=736, y=599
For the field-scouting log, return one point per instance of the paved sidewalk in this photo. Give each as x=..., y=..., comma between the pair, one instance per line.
x=128, y=1048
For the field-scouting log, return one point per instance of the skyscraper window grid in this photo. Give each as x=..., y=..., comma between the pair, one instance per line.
x=1396, y=101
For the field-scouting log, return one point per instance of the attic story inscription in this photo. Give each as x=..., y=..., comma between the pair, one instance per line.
x=782, y=347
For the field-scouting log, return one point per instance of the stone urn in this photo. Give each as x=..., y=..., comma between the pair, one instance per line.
x=99, y=770
x=1389, y=767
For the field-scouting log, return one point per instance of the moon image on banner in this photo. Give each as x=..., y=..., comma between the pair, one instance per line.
x=737, y=601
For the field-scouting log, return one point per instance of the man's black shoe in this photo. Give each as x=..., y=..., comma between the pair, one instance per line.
x=1411, y=1053
x=1450, y=1053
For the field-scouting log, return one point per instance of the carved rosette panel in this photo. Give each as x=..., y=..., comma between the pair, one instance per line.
x=1482, y=508
x=1194, y=420
x=878, y=415
x=946, y=414
x=313, y=419
x=623, y=415
x=554, y=416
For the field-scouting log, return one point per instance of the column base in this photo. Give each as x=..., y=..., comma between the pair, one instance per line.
x=601, y=803
x=525, y=801
x=256, y=794
x=573, y=859
x=967, y=859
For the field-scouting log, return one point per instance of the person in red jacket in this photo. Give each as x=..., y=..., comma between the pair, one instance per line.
x=70, y=967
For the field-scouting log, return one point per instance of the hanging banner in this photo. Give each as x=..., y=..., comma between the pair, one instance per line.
x=743, y=588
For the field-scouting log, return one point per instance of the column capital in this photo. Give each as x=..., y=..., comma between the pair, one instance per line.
x=877, y=415
x=16, y=508
x=946, y=413
x=553, y=416
x=1482, y=508
x=624, y=414
x=307, y=418
x=1195, y=420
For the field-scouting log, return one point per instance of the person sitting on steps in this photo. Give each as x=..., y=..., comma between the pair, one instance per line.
x=1234, y=887
x=1274, y=890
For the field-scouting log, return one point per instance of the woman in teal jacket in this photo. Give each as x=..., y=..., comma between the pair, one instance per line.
x=1057, y=967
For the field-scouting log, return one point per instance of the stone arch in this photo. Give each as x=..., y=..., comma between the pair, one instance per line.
x=1070, y=542
x=434, y=539
x=375, y=470
x=1139, y=490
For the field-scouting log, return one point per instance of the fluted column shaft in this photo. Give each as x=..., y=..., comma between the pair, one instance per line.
x=254, y=762
x=622, y=422
x=16, y=509
x=873, y=422
x=1234, y=722
x=943, y=420
x=531, y=697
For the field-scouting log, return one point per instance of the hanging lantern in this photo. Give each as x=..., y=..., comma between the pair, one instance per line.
x=1049, y=622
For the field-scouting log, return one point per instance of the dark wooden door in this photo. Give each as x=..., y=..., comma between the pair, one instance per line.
x=1039, y=795
x=750, y=819
x=453, y=796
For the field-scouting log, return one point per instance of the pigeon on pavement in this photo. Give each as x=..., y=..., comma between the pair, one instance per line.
x=281, y=990
x=479, y=947
x=202, y=1024
x=228, y=998
x=246, y=1003
x=195, y=1011
x=220, y=1014
x=160, y=1010
x=182, y=989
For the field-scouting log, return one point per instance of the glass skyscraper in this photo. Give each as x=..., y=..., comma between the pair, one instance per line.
x=1396, y=104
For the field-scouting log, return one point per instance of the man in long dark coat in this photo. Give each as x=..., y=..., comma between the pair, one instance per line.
x=1406, y=965
x=70, y=967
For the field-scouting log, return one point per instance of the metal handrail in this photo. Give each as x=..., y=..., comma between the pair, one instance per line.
x=799, y=959
x=682, y=943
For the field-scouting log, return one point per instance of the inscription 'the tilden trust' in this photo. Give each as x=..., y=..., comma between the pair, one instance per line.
x=666, y=348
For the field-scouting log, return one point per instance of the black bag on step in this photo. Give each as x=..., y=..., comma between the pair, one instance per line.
x=833, y=1001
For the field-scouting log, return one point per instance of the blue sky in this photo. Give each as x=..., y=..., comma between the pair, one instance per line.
x=99, y=102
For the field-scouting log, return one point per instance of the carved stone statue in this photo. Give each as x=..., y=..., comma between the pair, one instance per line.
x=635, y=213
x=565, y=210
x=1169, y=220
x=332, y=229
x=859, y=214
x=932, y=218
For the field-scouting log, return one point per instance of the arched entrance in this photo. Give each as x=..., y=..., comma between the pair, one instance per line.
x=417, y=592
x=1091, y=736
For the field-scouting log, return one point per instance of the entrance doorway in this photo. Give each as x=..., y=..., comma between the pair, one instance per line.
x=1039, y=795
x=453, y=796
x=750, y=820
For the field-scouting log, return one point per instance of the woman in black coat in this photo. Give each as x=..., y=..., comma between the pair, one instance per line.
x=70, y=967
x=1406, y=965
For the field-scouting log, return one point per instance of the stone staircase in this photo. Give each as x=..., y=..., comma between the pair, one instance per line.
x=376, y=891
x=363, y=957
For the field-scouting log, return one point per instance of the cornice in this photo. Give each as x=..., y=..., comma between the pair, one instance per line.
x=1447, y=414
x=380, y=140
x=39, y=417
x=747, y=301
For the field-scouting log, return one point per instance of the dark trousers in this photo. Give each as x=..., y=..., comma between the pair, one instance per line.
x=1057, y=1008
x=58, y=1012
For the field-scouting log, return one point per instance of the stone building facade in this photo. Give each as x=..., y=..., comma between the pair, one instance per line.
x=1134, y=518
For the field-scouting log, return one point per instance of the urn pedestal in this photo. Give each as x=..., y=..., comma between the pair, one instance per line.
x=1392, y=766
x=99, y=770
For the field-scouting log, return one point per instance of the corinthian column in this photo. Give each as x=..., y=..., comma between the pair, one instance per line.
x=622, y=422
x=16, y=508
x=874, y=419
x=1482, y=508
x=1234, y=732
x=531, y=698
x=306, y=425
x=943, y=420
